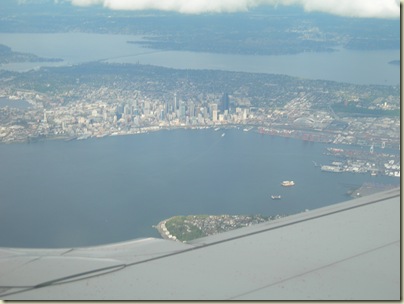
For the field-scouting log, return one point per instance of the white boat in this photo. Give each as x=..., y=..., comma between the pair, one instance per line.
x=274, y=197
x=288, y=183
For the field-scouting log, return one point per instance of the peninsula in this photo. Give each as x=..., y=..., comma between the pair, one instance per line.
x=187, y=228
x=7, y=55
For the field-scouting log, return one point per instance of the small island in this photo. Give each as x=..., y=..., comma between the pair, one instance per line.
x=187, y=228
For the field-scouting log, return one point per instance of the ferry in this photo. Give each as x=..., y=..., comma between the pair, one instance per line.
x=288, y=183
x=274, y=197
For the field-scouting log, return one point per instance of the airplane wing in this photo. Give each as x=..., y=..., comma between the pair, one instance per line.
x=346, y=251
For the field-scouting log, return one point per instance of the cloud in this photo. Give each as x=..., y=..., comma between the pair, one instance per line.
x=354, y=8
x=349, y=8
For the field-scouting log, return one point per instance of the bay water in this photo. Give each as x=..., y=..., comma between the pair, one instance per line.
x=98, y=191
x=351, y=66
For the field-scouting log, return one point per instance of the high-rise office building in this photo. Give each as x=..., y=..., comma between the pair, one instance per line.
x=224, y=103
x=204, y=111
x=191, y=109
x=214, y=115
x=182, y=109
x=166, y=107
x=127, y=109
x=175, y=105
x=146, y=110
x=213, y=107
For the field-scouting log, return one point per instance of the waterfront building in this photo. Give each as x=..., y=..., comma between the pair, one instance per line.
x=214, y=115
x=213, y=107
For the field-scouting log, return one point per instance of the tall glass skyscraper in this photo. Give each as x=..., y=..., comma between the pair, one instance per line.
x=224, y=103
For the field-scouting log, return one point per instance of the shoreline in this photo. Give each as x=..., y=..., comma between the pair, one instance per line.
x=165, y=234
x=142, y=130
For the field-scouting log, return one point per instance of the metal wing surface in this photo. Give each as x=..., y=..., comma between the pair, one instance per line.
x=345, y=251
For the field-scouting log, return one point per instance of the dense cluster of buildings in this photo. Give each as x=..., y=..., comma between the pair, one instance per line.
x=186, y=228
x=362, y=161
x=83, y=119
x=214, y=224
x=97, y=100
x=105, y=112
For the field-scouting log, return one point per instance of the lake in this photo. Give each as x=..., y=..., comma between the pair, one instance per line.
x=97, y=191
x=358, y=67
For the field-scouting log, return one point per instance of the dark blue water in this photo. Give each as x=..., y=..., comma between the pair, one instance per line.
x=82, y=193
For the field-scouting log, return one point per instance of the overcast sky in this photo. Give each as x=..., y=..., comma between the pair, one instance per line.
x=349, y=8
